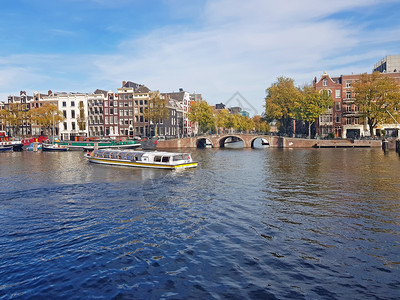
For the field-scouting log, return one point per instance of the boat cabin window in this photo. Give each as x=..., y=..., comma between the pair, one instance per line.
x=165, y=159
x=157, y=158
x=178, y=157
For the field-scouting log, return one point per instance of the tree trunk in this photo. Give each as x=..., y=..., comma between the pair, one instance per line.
x=371, y=129
x=309, y=130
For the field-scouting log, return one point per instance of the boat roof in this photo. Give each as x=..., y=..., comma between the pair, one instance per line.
x=134, y=152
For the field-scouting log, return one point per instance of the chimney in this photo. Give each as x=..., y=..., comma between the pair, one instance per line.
x=181, y=89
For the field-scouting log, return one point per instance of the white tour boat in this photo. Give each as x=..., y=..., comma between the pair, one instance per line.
x=131, y=158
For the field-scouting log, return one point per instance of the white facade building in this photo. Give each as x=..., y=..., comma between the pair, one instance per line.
x=68, y=104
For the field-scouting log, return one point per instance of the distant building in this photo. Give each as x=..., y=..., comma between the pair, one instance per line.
x=183, y=98
x=244, y=113
x=389, y=64
x=344, y=119
x=69, y=105
x=21, y=103
x=235, y=110
x=220, y=106
x=133, y=99
x=96, y=113
x=195, y=97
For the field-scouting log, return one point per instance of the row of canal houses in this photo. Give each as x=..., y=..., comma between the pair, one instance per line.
x=344, y=118
x=108, y=113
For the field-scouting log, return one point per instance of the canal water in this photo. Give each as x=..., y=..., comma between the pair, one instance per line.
x=246, y=224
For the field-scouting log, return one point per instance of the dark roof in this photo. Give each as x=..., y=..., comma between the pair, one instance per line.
x=130, y=84
x=176, y=95
x=100, y=92
x=142, y=89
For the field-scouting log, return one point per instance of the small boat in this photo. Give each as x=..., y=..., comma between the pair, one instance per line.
x=90, y=145
x=5, y=148
x=117, y=146
x=6, y=141
x=141, y=159
x=264, y=142
x=54, y=147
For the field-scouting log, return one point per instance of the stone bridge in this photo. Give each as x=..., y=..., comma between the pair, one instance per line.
x=218, y=141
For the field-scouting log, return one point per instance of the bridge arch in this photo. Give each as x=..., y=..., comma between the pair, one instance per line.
x=204, y=142
x=221, y=141
x=264, y=141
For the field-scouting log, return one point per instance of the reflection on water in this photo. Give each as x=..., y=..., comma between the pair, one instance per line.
x=261, y=223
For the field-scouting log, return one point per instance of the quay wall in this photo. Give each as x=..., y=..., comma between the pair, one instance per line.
x=274, y=142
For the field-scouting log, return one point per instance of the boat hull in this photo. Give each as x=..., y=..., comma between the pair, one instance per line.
x=53, y=148
x=128, y=163
x=5, y=148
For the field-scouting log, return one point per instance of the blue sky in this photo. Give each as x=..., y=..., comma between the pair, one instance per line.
x=216, y=48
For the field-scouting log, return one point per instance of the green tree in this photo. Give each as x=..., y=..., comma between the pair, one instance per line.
x=311, y=105
x=231, y=122
x=260, y=125
x=377, y=97
x=157, y=110
x=46, y=116
x=4, y=116
x=203, y=114
x=81, y=120
x=221, y=119
x=16, y=116
x=280, y=101
x=247, y=124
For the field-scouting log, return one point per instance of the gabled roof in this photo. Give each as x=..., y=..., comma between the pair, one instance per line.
x=142, y=89
x=130, y=84
x=176, y=95
x=98, y=92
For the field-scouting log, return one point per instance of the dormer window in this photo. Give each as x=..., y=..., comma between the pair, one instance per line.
x=325, y=82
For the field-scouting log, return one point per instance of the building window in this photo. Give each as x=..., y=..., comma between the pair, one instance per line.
x=65, y=114
x=337, y=94
x=325, y=82
x=65, y=126
x=337, y=106
x=72, y=103
x=356, y=120
x=72, y=114
x=348, y=83
x=348, y=121
x=348, y=108
x=338, y=118
x=111, y=111
x=64, y=104
x=73, y=125
x=348, y=95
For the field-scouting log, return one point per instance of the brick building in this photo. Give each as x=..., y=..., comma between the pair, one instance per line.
x=344, y=118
